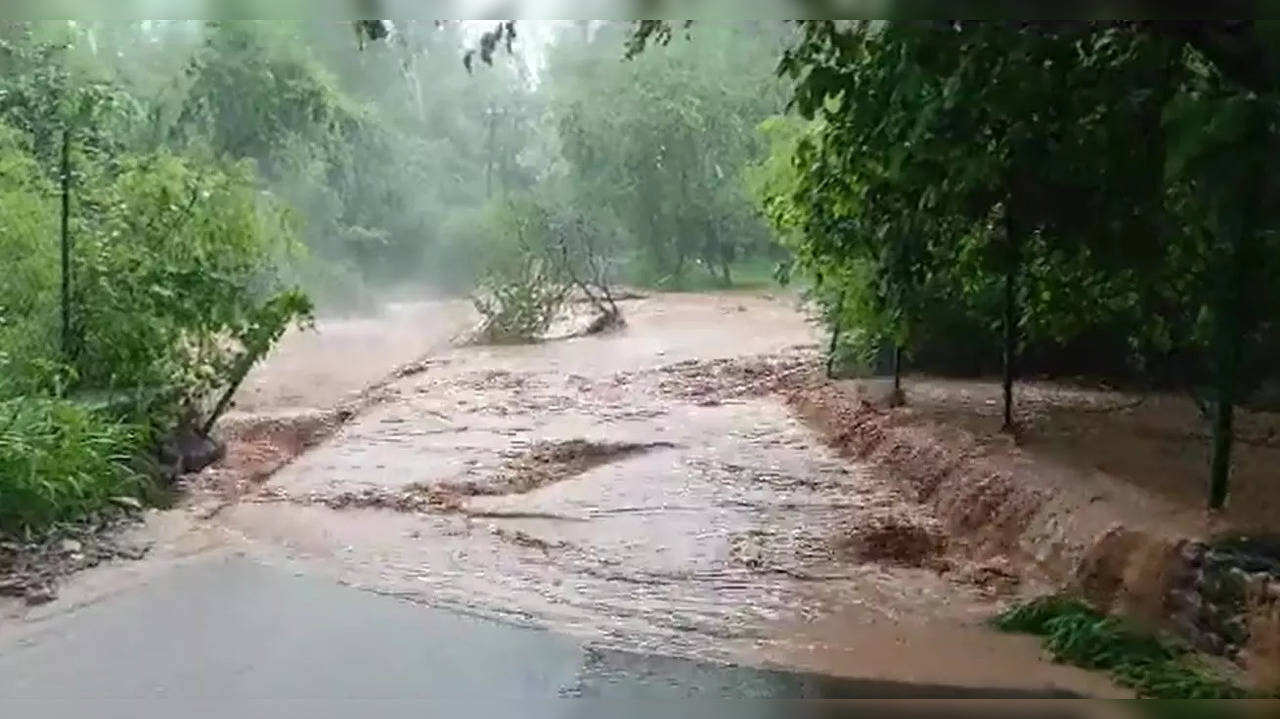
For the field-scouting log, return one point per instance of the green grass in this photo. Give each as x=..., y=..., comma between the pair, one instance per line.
x=61, y=462
x=1154, y=668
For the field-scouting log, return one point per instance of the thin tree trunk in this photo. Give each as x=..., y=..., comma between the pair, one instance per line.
x=897, y=398
x=1223, y=428
x=897, y=369
x=1012, y=266
x=67, y=333
x=835, y=338
x=246, y=363
x=488, y=166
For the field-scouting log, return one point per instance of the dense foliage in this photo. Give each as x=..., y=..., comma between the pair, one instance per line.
x=663, y=142
x=1064, y=198
x=211, y=171
x=1083, y=198
x=142, y=279
x=60, y=461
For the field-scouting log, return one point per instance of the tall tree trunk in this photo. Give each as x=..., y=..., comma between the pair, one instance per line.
x=1013, y=263
x=1236, y=280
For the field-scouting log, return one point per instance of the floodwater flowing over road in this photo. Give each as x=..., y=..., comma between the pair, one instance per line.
x=722, y=516
x=643, y=491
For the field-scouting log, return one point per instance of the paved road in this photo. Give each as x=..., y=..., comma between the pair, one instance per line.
x=233, y=638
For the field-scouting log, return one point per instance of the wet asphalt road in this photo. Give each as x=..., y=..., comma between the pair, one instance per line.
x=233, y=638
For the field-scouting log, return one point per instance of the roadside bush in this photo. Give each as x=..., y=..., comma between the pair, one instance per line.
x=60, y=461
x=175, y=293
x=175, y=278
x=1074, y=633
x=29, y=256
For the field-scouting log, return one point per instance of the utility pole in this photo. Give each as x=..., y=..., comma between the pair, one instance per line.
x=66, y=245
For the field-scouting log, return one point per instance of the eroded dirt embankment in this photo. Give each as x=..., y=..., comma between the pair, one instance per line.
x=1067, y=522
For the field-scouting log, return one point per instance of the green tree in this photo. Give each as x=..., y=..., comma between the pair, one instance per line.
x=1107, y=173
x=665, y=140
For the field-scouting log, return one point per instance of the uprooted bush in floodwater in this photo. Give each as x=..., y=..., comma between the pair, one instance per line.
x=554, y=255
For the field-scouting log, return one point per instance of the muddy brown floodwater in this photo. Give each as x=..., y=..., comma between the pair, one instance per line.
x=644, y=490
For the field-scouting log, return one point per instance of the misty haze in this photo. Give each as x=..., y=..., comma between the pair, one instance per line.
x=395, y=360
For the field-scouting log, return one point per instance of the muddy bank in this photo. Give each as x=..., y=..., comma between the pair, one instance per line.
x=1125, y=548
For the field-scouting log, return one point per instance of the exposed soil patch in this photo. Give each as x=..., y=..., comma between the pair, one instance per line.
x=1095, y=493
x=259, y=446
x=899, y=541
x=943, y=470
x=1158, y=443
x=543, y=464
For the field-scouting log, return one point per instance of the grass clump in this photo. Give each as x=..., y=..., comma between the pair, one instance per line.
x=1074, y=633
x=60, y=462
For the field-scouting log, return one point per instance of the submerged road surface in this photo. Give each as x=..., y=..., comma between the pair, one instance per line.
x=230, y=637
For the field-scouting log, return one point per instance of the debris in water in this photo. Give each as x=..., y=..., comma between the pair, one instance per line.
x=31, y=570
x=709, y=382
x=524, y=539
x=894, y=540
x=549, y=462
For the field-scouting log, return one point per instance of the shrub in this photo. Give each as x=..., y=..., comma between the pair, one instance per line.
x=174, y=294
x=29, y=256
x=176, y=262
x=1076, y=634
x=519, y=302
x=60, y=461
